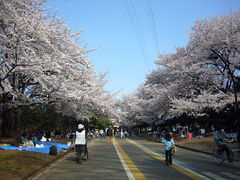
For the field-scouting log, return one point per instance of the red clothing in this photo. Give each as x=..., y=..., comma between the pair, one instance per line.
x=189, y=135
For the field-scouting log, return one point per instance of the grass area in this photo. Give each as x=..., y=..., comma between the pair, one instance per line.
x=206, y=144
x=20, y=164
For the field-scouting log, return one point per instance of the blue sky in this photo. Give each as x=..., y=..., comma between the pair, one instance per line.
x=126, y=51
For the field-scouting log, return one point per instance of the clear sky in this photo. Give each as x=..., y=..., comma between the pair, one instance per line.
x=128, y=34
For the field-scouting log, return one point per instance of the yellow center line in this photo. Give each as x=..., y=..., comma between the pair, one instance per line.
x=174, y=165
x=138, y=175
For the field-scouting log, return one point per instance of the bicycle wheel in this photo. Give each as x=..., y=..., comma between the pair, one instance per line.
x=236, y=159
x=79, y=158
x=79, y=153
x=224, y=156
x=217, y=156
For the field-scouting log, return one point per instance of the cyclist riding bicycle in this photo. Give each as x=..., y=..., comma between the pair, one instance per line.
x=80, y=143
x=219, y=137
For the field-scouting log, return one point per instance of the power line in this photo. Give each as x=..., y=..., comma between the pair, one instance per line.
x=153, y=25
x=136, y=27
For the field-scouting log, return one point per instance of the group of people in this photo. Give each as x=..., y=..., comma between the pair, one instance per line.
x=30, y=141
x=33, y=139
x=125, y=133
x=168, y=141
x=220, y=137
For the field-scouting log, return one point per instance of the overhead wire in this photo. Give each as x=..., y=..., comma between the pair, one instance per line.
x=153, y=25
x=136, y=27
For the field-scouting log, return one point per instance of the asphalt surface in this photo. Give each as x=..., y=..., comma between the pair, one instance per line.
x=103, y=163
x=137, y=158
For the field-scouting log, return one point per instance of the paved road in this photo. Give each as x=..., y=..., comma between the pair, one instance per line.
x=137, y=158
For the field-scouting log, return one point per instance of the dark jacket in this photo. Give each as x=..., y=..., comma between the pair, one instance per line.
x=109, y=131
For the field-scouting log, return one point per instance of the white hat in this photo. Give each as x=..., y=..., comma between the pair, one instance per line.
x=80, y=126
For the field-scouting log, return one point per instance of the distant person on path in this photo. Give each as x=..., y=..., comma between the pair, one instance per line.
x=168, y=145
x=126, y=133
x=101, y=133
x=219, y=137
x=80, y=142
x=130, y=131
x=121, y=133
x=109, y=134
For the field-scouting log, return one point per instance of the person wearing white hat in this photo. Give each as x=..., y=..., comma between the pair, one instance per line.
x=80, y=143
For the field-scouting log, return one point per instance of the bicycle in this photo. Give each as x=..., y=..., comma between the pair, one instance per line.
x=81, y=152
x=219, y=155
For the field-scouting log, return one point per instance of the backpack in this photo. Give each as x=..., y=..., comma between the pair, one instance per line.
x=53, y=150
x=109, y=131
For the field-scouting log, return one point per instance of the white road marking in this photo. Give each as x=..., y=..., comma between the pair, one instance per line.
x=214, y=176
x=127, y=170
x=231, y=175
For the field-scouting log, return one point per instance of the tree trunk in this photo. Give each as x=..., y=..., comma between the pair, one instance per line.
x=59, y=122
x=18, y=122
x=5, y=131
x=6, y=115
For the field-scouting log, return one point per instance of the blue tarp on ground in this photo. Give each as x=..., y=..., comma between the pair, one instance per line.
x=44, y=149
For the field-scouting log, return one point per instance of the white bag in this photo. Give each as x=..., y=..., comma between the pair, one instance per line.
x=39, y=145
x=43, y=139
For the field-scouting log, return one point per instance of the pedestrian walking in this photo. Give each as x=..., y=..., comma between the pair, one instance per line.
x=121, y=133
x=109, y=134
x=168, y=145
x=101, y=133
x=80, y=143
x=126, y=133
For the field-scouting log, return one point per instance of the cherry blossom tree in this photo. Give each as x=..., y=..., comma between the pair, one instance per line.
x=43, y=62
x=216, y=41
x=203, y=75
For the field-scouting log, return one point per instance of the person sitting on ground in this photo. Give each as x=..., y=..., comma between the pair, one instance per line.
x=71, y=136
x=35, y=140
x=48, y=135
x=80, y=142
x=30, y=143
x=219, y=137
x=24, y=139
